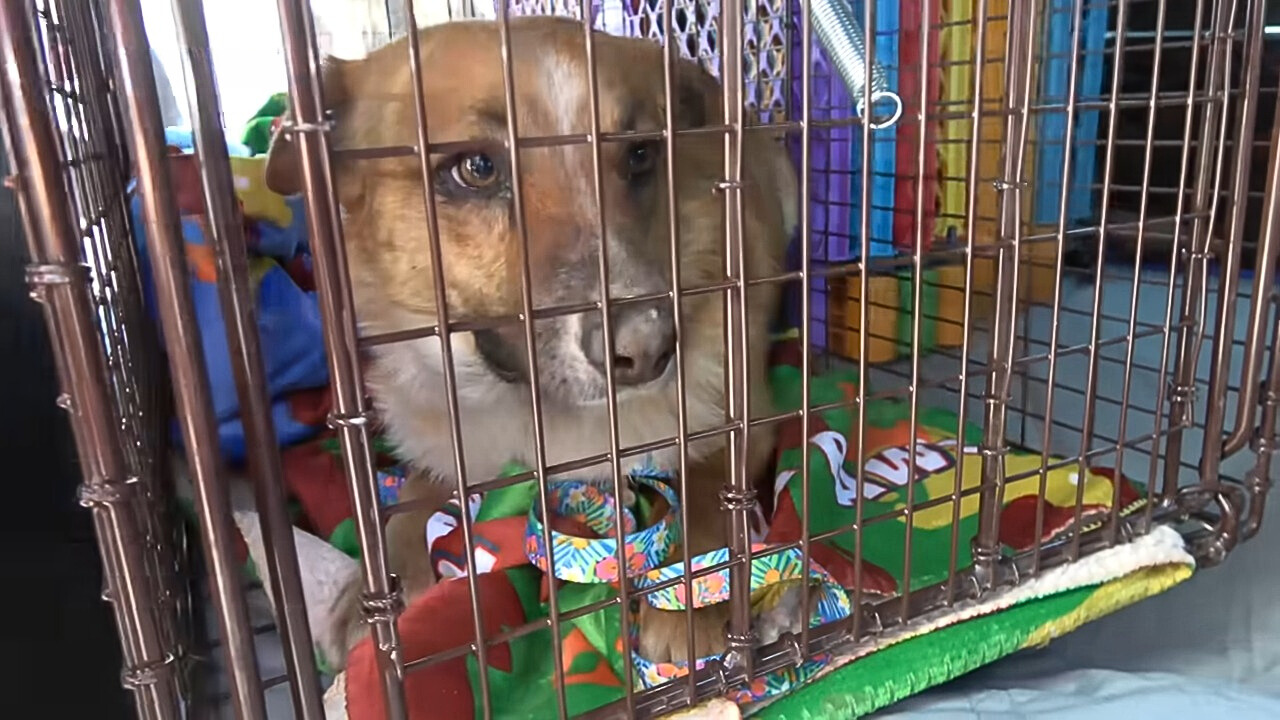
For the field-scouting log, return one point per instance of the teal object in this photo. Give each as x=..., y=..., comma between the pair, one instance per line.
x=1055, y=76
x=884, y=148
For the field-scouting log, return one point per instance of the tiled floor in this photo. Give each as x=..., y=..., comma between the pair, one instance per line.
x=270, y=664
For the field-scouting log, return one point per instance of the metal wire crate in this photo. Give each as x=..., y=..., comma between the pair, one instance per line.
x=962, y=254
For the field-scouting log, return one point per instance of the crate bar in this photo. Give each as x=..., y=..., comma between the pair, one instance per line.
x=531, y=350
x=806, y=310
x=107, y=211
x=56, y=281
x=1178, y=412
x=994, y=447
x=309, y=130
x=864, y=235
x=737, y=496
x=186, y=363
x=973, y=163
x=917, y=285
x=1229, y=274
x=1195, y=293
x=447, y=367
x=243, y=345
x=1258, y=481
x=1091, y=375
x=606, y=329
x=677, y=307
x=1066, y=129
x=1131, y=328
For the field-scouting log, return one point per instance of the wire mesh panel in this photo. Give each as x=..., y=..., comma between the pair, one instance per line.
x=671, y=350
x=63, y=134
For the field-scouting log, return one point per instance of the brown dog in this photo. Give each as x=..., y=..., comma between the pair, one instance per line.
x=388, y=247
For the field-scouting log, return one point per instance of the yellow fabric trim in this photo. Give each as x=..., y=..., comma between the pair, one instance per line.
x=1110, y=597
x=957, y=87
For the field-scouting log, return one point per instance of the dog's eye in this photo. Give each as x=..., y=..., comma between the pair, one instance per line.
x=476, y=171
x=642, y=158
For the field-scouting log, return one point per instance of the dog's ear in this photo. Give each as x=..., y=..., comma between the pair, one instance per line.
x=697, y=95
x=284, y=167
x=699, y=103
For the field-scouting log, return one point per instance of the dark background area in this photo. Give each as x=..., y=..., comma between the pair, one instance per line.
x=64, y=659
x=1170, y=120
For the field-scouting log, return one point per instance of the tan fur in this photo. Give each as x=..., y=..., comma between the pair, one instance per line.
x=388, y=249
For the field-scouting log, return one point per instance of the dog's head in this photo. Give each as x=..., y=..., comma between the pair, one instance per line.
x=480, y=226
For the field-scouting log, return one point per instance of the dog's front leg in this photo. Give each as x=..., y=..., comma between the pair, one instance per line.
x=664, y=633
x=407, y=558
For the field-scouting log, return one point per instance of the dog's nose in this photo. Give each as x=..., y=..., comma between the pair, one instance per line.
x=644, y=341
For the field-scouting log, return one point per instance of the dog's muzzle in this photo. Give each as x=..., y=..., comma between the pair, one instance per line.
x=505, y=359
x=644, y=343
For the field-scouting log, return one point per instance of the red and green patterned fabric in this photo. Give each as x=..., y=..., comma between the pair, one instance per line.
x=520, y=672
x=947, y=462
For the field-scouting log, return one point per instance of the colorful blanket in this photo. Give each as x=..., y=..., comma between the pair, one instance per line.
x=902, y=664
x=288, y=317
x=592, y=660
x=593, y=653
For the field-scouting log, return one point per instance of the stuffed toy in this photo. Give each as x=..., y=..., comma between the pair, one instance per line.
x=258, y=201
x=262, y=126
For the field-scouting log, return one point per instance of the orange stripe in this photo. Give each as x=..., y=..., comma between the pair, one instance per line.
x=575, y=644
x=200, y=259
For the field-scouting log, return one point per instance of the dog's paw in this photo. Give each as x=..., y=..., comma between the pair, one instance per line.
x=664, y=633
x=779, y=614
x=347, y=626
